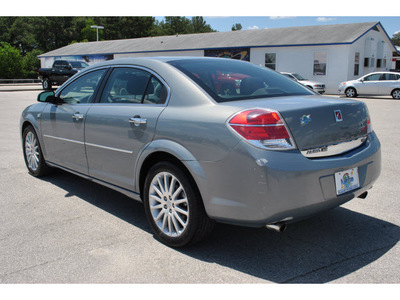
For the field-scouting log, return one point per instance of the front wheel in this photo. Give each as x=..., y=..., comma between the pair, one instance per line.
x=351, y=92
x=33, y=154
x=396, y=94
x=174, y=207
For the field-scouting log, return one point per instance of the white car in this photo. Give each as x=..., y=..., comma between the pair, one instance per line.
x=377, y=83
x=316, y=86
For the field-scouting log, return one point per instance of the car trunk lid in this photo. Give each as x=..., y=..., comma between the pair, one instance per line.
x=317, y=123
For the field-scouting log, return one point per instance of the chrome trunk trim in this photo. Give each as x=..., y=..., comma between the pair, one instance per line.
x=333, y=149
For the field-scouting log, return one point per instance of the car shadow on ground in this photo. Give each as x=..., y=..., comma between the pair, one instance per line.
x=318, y=250
x=380, y=98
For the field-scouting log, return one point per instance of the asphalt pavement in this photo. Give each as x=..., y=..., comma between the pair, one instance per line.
x=65, y=229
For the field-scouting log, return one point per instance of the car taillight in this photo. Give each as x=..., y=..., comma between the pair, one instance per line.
x=263, y=128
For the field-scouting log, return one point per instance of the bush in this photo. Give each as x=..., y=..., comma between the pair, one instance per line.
x=31, y=63
x=11, y=62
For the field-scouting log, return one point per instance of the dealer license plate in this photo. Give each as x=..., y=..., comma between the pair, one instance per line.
x=346, y=181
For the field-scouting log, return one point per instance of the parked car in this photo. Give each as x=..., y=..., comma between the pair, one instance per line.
x=316, y=86
x=60, y=72
x=157, y=130
x=377, y=83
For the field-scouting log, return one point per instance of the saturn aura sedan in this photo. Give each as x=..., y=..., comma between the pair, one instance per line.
x=160, y=130
x=377, y=83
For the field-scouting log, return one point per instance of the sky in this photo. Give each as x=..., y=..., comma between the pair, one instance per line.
x=221, y=15
x=390, y=24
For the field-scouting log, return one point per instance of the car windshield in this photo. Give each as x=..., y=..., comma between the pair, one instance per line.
x=299, y=77
x=230, y=80
x=79, y=64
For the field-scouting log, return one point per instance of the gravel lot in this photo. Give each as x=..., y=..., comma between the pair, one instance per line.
x=64, y=229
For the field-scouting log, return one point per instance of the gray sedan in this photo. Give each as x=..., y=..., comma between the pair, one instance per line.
x=166, y=132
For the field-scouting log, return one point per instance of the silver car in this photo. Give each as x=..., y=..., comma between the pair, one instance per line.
x=164, y=131
x=377, y=83
x=316, y=86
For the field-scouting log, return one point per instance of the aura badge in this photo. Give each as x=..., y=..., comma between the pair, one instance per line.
x=305, y=119
x=338, y=116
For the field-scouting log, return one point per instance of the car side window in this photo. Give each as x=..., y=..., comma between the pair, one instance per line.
x=373, y=77
x=82, y=89
x=57, y=64
x=64, y=65
x=131, y=85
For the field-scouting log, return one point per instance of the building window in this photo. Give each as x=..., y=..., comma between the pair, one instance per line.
x=372, y=63
x=234, y=53
x=379, y=63
x=356, y=63
x=270, y=60
x=320, y=63
x=366, y=62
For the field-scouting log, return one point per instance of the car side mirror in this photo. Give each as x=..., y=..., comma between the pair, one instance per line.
x=362, y=80
x=47, y=96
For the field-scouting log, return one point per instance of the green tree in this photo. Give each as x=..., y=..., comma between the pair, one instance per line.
x=23, y=38
x=236, y=27
x=124, y=27
x=396, y=39
x=31, y=63
x=199, y=25
x=11, y=65
x=88, y=33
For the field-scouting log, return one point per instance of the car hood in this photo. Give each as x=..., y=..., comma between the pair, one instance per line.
x=309, y=82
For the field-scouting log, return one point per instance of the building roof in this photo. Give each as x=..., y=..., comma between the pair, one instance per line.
x=273, y=37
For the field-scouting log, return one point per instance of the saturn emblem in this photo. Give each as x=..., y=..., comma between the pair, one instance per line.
x=305, y=119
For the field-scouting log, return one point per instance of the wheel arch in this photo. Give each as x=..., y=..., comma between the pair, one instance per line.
x=166, y=150
x=29, y=120
x=351, y=87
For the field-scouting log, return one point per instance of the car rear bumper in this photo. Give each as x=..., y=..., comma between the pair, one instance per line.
x=258, y=187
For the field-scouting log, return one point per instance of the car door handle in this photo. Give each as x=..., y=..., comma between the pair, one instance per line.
x=137, y=121
x=77, y=116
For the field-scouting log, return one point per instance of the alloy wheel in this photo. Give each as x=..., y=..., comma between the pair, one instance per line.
x=32, y=151
x=169, y=204
x=350, y=92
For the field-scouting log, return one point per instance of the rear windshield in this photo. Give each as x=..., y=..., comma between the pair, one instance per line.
x=230, y=80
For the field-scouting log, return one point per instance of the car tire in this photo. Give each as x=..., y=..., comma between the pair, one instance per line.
x=46, y=84
x=174, y=207
x=396, y=94
x=351, y=92
x=33, y=155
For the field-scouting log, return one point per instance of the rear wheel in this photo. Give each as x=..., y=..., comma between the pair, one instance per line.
x=351, y=92
x=46, y=84
x=174, y=207
x=396, y=94
x=33, y=153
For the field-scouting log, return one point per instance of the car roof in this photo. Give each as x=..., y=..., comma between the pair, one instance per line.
x=382, y=72
x=162, y=59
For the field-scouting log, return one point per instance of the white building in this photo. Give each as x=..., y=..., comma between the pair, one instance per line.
x=328, y=53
